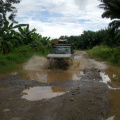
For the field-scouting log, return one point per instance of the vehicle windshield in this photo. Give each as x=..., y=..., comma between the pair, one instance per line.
x=61, y=50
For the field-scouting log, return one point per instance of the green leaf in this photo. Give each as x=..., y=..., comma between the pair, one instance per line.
x=20, y=25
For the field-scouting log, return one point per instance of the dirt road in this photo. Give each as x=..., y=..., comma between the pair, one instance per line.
x=38, y=93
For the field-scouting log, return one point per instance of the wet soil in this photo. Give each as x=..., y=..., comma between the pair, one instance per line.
x=114, y=97
x=38, y=93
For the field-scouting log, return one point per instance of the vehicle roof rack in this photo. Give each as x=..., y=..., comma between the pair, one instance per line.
x=63, y=45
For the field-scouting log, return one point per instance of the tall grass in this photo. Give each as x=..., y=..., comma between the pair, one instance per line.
x=106, y=53
x=19, y=55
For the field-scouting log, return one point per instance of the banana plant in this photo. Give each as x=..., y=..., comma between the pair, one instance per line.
x=7, y=34
x=25, y=34
x=36, y=40
x=39, y=41
x=46, y=42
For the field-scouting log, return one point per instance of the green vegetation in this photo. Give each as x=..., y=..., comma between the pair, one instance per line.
x=17, y=42
x=112, y=11
x=19, y=55
x=89, y=39
x=111, y=53
x=106, y=53
x=6, y=6
x=17, y=46
x=10, y=38
x=103, y=44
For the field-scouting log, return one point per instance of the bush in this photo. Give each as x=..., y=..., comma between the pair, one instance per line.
x=106, y=53
x=19, y=55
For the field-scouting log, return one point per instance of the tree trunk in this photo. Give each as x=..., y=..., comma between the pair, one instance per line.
x=2, y=49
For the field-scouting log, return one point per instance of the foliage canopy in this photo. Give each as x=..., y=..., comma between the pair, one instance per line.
x=6, y=6
x=112, y=11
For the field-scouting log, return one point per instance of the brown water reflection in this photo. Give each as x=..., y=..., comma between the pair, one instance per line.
x=42, y=92
x=114, y=97
x=114, y=74
x=37, y=69
x=51, y=75
x=15, y=118
x=2, y=89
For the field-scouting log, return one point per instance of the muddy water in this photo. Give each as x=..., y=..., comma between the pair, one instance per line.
x=111, y=76
x=114, y=74
x=2, y=89
x=37, y=69
x=51, y=76
x=114, y=97
x=44, y=92
x=15, y=118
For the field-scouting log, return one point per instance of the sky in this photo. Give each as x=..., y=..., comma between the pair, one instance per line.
x=53, y=18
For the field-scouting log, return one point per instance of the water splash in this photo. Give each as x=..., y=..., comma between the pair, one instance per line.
x=36, y=63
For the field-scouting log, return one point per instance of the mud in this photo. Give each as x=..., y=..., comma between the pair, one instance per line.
x=39, y=93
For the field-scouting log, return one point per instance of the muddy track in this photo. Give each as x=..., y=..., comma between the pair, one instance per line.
x=84, y=98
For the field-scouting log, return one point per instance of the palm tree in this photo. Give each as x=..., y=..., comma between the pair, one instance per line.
x=112, y=11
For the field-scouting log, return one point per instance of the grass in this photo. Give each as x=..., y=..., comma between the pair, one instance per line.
x=19, y=55
x=106, y=53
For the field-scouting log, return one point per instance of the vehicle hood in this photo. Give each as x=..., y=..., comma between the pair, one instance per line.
x=59, y=55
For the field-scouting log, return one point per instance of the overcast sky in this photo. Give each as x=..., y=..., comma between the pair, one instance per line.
x=61, y=17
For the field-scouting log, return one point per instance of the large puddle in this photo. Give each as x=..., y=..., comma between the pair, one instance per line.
x=44, y=92
x=114, y=74
x=37, y=69
x=111, y=77
x=114, y=97
x=51, y=76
